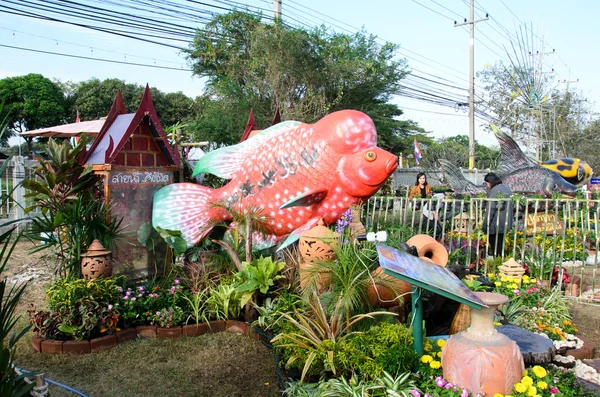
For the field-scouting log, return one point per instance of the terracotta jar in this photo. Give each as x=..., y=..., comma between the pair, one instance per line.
x=96, y=262
x=481, y=359
x=428, y=247
x=316, y=244
x=383, y=295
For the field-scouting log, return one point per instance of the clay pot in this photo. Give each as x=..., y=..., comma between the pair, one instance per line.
x=382, y=295
x=96, y=262
x=481, y=359
x=316, y=245
x=428, y=247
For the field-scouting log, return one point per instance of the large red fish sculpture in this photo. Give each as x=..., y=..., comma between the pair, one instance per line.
x=293, y=173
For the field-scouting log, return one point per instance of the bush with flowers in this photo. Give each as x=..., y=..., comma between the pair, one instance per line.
x=534, y=307
x=541, y=382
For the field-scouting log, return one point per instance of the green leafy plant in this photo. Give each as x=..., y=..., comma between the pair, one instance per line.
x=272, y=309
x=10, y=382
x=314, y=336
x=197, y=306
x=83, y=307
x=168, y=317
x=382, y=348
x=224, y=302
x=259, y=275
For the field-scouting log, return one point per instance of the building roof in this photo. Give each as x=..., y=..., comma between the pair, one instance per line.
x=91, y=128
x=120, y=125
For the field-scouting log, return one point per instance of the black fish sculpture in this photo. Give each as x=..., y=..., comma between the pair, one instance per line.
x=517, y=171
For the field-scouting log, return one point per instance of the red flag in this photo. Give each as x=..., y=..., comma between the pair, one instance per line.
x=77, y=120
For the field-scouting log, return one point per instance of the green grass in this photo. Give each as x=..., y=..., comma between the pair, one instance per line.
x=221, y=364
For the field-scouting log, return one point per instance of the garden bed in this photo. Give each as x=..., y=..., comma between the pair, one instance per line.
x=51, y=346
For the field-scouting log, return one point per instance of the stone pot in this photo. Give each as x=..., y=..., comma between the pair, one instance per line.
x=481, y=359
x=428, y=247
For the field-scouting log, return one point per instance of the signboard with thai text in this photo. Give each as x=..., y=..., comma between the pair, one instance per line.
x=543, y=223
x=140, y=177
x=427, y=275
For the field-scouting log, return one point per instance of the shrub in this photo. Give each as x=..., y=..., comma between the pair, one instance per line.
x=384, y=347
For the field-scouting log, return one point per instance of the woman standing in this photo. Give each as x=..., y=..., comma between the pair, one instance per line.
x=499, y=215
x=421, y=188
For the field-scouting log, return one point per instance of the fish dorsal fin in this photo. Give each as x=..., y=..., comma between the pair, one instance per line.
x=456, y=179
x=224, y=162
x=305, y=199
x=512, y=157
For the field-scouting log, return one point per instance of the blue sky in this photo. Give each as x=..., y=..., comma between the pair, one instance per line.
x=432, y=45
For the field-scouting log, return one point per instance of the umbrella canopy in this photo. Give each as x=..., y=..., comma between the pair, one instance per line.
x=91, y=128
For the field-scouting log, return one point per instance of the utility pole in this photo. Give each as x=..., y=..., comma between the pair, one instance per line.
x=472, y=23
x=539, y=142
x=277, y=9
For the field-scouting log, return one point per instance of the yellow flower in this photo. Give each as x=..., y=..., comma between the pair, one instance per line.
x=426, y=359
x=497, y=324
x=504, y=279
x=491, y=275
x=435, y=364
x=532, y=391
x=542, y=385
x=527, y=381
x=540, y=372
x=428, y=346
x=498, y=284
x=439, y=354
x=498, y=395
x=520, y=388
x=525, y=373
x=441, y=342
x=533, y=280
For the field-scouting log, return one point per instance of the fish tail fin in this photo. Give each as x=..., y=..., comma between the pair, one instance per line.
x=185, y=207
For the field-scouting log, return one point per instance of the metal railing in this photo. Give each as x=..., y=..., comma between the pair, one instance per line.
x=557, y=239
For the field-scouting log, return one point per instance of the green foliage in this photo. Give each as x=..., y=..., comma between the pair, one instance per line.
x=456, y=150
x=72, y=215
x=31, y=102
x=272, y=309
x=82, y=306
x=10, y=294
x=384, y=386
x=224, y=302
x=172, y=238
x=382, y=348
x=197, y=306
x=350, y=274
x=314, y=337
x=306, y=73
x=168, y=317
x=93, y=99
x=258, y=276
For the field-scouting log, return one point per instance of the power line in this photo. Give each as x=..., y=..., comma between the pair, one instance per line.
x=94, y=59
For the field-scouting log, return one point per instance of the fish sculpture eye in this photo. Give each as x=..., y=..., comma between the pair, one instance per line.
x=370, y=156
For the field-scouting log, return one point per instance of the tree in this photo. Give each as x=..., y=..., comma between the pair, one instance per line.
x=93, y=98
x=456, y=150
x=31, y=102
x=306, y=73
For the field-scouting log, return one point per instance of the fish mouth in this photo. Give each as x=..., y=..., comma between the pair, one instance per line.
x=391, y=165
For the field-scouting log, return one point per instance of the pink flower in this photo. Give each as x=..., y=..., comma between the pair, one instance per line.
x=464, y=393
x=415, y=393
x=176, y=282
x=440, y=382
x=449, y=385
x=554, y=390
x=133, y=298
x=516, y=291
x=110, y=307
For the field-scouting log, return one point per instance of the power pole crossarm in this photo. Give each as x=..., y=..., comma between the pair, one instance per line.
x=472, y=23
